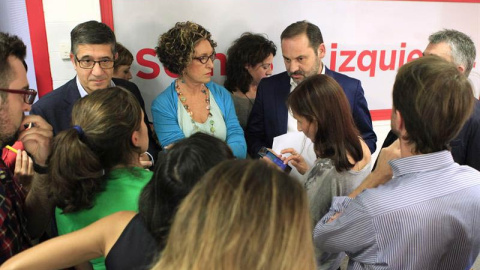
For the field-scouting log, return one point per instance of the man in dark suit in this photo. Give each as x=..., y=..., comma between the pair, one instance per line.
x=303, y=50
x=92, y=54
x=456, y=47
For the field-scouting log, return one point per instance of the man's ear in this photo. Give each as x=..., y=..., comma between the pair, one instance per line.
x=72, y=58
x=461, y=68
x=321, y=51
x=115, y=56
x=398, y=123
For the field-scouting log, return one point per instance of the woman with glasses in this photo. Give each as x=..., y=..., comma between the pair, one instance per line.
x=192, y=103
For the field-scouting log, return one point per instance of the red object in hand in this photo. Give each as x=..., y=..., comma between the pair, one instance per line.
x=9, y=157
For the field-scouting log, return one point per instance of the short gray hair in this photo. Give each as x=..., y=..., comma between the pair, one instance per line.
x=462, y=46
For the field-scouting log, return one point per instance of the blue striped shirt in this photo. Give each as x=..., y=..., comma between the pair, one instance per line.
x=426, y=217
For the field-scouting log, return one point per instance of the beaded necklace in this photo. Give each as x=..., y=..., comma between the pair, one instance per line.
x=183, y=100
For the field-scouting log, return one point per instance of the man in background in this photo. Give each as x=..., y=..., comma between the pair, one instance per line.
x=458, y=48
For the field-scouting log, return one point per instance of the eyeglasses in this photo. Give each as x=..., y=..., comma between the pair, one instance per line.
x=204, y=59
x=28, y=95
x=89, y=64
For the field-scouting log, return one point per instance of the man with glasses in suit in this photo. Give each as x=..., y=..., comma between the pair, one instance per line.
x=93, y=54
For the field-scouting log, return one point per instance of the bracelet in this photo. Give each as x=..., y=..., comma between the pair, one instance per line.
x=151, y=157
x=40, y=169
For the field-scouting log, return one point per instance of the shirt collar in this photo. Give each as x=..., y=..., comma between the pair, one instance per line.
x=82, y=91
x=293, y=84
x=421, y=163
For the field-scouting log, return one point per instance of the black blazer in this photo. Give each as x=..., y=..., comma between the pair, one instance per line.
x=269, y=115
x=56, y=107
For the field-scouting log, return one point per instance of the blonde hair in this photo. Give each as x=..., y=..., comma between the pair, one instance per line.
x=243, y=214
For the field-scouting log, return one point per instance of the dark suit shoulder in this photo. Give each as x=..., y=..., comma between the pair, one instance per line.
x=472, y=125
x=124, y=83
x=476, y=112
x=130, y=86
x=56, y=107
x=345, y=81
x=470, y=131
x=273, y=82
x=133, y=88
x=340, y=76
x=68, y=92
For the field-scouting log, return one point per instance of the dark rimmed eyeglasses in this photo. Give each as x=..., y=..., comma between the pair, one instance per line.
x=28, y=95
x=89, y=64
x=204, y=59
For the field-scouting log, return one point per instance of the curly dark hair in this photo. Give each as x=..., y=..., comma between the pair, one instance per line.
x=80, y=162
x=176, y=47
x=249, y=49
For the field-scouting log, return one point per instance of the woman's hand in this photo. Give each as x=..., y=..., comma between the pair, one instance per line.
x=24, y=168
x=296, y=160
x=269, y=161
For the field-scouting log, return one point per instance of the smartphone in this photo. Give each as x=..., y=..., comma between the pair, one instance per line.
x=264, y=152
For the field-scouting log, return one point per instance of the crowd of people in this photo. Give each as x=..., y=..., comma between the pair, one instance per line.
x=86, y=181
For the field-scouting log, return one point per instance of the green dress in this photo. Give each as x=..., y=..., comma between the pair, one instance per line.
x=121, y=194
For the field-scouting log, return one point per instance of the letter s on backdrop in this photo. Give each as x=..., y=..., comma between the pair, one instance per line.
x=147, y=63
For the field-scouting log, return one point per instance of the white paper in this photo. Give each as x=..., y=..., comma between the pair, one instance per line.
x=301, y=144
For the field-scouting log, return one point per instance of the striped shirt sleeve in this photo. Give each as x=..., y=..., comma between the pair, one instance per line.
x=352, y=231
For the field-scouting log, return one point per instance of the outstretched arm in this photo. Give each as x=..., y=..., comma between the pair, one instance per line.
x=74, y=248
x=383, y=172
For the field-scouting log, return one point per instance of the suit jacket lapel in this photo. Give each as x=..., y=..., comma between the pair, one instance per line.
x=329, y=72
x=71, y=96
x=281, y=95
x=72, y=92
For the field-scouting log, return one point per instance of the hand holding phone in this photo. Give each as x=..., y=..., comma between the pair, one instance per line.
x=264, y=152
x=296, y=160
